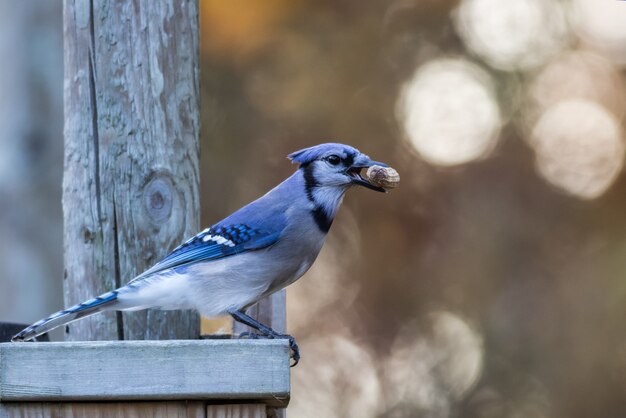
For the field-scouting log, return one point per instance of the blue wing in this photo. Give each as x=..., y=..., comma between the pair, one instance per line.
x=216, y=242
x=256, y=225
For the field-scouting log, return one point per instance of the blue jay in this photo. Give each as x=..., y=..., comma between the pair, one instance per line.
x=261, y=248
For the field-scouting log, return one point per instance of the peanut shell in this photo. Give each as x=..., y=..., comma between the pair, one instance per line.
x=385, y=177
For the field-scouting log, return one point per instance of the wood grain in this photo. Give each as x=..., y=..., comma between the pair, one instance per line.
x=252, y=370
x=194, y=409
x=29, y=410
x=236, y=411
x=131, y=180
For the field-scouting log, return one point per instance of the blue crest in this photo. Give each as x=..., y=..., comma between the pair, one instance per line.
x=307, y=155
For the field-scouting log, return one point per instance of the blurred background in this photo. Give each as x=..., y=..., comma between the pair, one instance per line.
x=490, y=284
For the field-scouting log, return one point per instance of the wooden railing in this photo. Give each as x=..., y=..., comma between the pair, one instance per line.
x=123, y=378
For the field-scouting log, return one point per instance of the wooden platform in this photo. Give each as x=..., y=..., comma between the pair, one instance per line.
x=34, y=375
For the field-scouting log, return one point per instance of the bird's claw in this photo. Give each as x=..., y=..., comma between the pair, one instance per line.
x=295, y=350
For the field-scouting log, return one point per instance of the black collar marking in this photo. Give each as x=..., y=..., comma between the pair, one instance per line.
x=321, y=218
x=309, y=180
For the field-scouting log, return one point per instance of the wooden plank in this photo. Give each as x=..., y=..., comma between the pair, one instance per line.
x=252, y=370
x=134, y=410
x=193, y=409
x=30, y=410
x=131, y=180
x=236, y=411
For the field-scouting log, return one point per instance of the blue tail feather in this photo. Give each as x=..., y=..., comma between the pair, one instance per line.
x=65, y=316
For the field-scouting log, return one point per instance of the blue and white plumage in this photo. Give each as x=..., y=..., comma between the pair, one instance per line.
x=259, y=249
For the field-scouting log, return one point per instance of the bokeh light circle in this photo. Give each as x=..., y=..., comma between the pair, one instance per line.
x=339, y=379
x=578, y=74
x=432, y=370
x=512, y=35
x=602, y=25
x=449, y=112
x=579, y=147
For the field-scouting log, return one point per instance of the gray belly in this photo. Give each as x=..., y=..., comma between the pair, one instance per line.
x=296, y=259
x=242, y=280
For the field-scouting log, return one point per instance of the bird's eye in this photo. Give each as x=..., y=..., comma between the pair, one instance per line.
x=333, y=159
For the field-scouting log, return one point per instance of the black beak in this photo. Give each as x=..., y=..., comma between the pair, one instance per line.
x=355, y=173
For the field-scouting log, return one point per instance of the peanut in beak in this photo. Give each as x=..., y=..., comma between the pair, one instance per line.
x=385, y=177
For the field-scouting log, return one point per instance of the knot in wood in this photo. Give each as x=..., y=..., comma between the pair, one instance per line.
x=157, y=198
x=88, y=235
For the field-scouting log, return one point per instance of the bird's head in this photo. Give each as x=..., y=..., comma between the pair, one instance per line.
x=335, y=165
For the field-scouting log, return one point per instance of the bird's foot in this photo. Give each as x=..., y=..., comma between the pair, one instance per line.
x=240, y=316
x=295, y=350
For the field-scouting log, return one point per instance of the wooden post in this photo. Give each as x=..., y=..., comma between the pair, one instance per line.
x=130, y=188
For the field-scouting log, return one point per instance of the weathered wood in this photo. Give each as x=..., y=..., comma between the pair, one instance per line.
x=236, y=411
x=130, y=187
x=256, y=371
x=195, y=409
x=29, y=410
